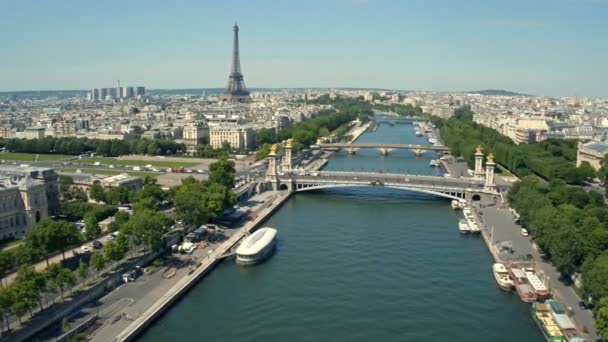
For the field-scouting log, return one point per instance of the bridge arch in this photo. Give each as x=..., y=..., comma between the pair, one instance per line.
x=310, y=187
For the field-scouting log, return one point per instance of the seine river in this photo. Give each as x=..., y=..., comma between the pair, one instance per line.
x=358, y=265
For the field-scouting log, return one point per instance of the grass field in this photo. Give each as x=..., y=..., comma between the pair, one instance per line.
x=109, y=172
x=134, y=162
x=30, y=156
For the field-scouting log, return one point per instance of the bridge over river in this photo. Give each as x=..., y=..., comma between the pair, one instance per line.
x=384, y=148
x=453, y=188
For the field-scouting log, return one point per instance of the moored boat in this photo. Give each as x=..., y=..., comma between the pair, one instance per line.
x=547, y=324
x=435, y=163
x=418, y=133
x=540, y=289
x=501, y=274
x=463, y=227
x=256, y=247
x=457, y=204
x=524, y=289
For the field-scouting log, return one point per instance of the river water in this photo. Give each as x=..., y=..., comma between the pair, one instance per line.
x=362, y=264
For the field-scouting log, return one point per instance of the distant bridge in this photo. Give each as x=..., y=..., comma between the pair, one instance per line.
x=384, y=148
x=452, y=188
x=391, y=118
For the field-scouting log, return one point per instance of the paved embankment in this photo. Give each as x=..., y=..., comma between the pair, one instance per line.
x=184, y=284
x=498, y=226
x=358, y=131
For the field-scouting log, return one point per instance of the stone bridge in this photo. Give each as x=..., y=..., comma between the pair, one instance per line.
x=283, y=176
x=385, y=149
x=453, y=188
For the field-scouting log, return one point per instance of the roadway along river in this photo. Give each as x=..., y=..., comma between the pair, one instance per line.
x=358, y=265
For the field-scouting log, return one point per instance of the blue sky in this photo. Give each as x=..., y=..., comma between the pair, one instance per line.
x=541, y=47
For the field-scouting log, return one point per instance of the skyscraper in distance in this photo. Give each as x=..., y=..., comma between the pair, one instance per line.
x=235, y=90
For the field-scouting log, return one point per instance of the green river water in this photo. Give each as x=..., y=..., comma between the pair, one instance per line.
x=362, y=264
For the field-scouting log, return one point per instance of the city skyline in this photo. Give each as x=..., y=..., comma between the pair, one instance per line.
x=554, y=48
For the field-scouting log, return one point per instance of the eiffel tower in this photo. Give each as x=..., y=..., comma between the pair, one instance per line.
x=235, y=90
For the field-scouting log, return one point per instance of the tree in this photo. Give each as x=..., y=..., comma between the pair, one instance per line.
x=6, y=304
x=7, y=263
x=97, y=261
x=91, y=226
x=264, y=136
x=601, y=319
x=222, y=172
x=595, y=277
x=146, y=227
x=117, y=195
x=112, y=251
x=83, y=270
x=97, y=192
x=33, y=284
x=60, y=278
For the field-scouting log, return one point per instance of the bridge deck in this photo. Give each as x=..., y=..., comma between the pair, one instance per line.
x=386, y=146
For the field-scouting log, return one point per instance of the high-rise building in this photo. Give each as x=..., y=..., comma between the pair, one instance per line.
x=140, y=91
x=129, y=92
x=235, y=90
x=103, y=93
x=95, y=94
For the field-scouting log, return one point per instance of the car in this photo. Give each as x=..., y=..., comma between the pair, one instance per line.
x=97, y=245
x=114, y=234
x=85, y=249
x=583, y=305
x=524, y=232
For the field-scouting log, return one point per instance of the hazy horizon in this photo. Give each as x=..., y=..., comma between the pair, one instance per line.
x=545, y=48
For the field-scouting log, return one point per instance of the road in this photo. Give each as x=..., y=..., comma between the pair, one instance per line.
x=55, y=259
x=505, y=229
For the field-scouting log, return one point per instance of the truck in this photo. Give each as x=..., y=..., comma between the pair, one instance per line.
x=136, y=168
x=96, y=163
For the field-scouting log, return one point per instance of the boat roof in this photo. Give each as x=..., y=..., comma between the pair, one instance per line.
x=535, y=282
x=563, y=321
x=518, y=273
x=255, y=242
x=500, y=267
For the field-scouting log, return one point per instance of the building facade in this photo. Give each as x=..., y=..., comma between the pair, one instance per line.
x=23, y=203
x=237, y=137
x=44, y=175
x=592, y=152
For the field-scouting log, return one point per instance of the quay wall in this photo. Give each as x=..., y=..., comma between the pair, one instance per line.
x=172, y=295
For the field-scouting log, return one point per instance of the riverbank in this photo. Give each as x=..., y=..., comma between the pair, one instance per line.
x=202, y=268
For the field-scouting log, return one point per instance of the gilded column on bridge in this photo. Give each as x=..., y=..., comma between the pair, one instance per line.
x=490, y=164
x=272, y=162
x=478, y=163
x=287, y=159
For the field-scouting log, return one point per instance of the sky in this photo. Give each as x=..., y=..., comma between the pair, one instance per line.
x=539, y=47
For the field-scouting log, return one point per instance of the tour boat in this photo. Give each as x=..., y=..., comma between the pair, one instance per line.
x=463, y=227
x=435, y=163
x=256, y=247
x=501, y=274
x=470, y=218
x=432, y=140
x=524, y=289
x=540, y=289
x=418, y=133
x=544, y=319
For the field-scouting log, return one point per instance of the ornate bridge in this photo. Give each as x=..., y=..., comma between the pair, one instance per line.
x=284, y=177
x=453, y=188
x=384, y=148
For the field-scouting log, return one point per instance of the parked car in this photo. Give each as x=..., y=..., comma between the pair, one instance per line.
x=582, y=305
x=85, y=249
x=524, y=232
x=97, y=245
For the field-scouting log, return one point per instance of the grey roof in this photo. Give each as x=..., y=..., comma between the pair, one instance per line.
x=597, y=146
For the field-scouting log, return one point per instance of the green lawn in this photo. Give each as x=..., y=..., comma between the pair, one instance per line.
x=30, y=156
x=109, y=172
x=133, y=162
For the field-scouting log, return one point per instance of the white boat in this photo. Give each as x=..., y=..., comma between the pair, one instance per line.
x=463, y=227
x=418, y=133
x=256, y=247
x=471, y=221
x=503, y=279
x=432, y=140
x=458, y=204
x=435, y=163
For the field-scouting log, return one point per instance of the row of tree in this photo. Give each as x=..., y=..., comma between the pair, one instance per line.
x=571, y=226
x=327, y=122
x=550, y=159
x=76, y=146
x=402, y=109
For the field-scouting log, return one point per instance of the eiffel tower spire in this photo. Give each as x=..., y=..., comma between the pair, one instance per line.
x=235, y=90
